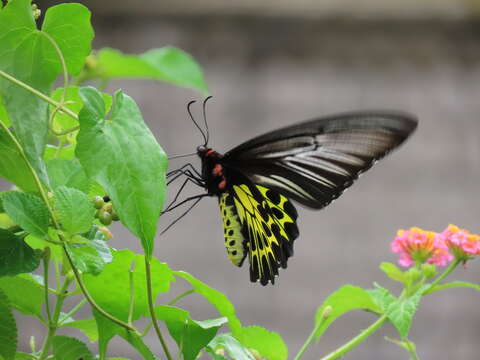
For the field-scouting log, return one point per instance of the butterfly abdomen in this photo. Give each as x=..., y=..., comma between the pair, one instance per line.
x=234, y=239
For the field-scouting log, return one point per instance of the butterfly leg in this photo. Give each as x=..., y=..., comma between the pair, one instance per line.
x=187, y=180
x=197, y=199
x=186, y=168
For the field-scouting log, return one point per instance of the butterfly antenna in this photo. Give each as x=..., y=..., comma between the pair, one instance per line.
x=180, y=156
x=205, y=119
x=196, y=124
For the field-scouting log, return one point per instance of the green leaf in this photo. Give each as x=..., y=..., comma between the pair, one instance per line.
x=393, y=272
x=66, y=152
x=22, y=356
x=69, y=25
x=25, y=295
x=28, y=211
x=16, y=256
x=166, y=64
x=401, y=312
x=269, y=344
x=90, y=258
x=107, y=330
x=191, y=336
x=75, y=211
x=29, y=55
x=3, y=114
x=382, y=297
x=215, y=298
x=122, y=155
x=111, y=289
x=231, y=345
x=67, y=348
x=63, y=121
x=8, y=329
x=56, y=251
x=87, y=326
x=70, y=173
x=345, y=299
x=12, y=165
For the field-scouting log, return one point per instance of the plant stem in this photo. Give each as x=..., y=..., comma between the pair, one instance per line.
x=53, y=323
x=357, y=339
x=46, y=261
x=182, y=295
x=39, y=94
x=73, y=311
x=148, y=275
x=132, y=296
x=310, y=338
x=411, y=350
x=89, y=298
x=442, y=276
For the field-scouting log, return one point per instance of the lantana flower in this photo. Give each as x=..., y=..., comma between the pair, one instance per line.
x=461, y=243
x=418, y=246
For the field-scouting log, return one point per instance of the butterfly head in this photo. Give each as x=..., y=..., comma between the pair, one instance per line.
x=202, y=150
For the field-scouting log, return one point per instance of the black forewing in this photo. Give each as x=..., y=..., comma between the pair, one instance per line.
x=314, y=161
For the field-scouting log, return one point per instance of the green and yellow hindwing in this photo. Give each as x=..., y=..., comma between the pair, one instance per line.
x=232, y=228
x=268, y=222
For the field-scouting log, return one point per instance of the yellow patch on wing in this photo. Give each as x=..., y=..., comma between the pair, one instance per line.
x=269, y=225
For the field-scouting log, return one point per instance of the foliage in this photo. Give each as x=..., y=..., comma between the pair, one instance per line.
x=65, y=149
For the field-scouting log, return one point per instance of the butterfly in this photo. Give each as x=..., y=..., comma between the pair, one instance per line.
x=311, y=163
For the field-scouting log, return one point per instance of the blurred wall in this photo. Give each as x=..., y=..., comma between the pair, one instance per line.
x=268, y=71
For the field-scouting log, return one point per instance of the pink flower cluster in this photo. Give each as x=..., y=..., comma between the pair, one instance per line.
x=418, y=246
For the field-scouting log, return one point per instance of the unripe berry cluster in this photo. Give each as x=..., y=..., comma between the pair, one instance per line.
x=105, y=212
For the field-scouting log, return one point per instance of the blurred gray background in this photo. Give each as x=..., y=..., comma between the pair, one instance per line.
x=273, y=63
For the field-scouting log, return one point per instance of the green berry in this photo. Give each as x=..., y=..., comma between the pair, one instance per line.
x=114, y=216
x=105, y=217
x=107, y=207
x=98, y=202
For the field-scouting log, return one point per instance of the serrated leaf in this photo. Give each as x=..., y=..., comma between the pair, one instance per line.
x=76, y=212
x=345, y=299
x=401, y=312
x=269, y=344
x=215, y=298
x=111, y=289
x=8, y=329
x=68, y=348
x=12, y=165
x=16, y=256
x=167, y=64
x=68, y=173
x=191, y=336
x=25, y=295
x=91, y=257
x=28, y=55
x=122, y=155
x=231, y=345
x=392, y=271
x=87, y=326
x=107, y=330
x=28, y=211
x=382, y=297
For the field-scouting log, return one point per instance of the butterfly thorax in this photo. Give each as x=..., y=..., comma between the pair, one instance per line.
x=213, y=172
